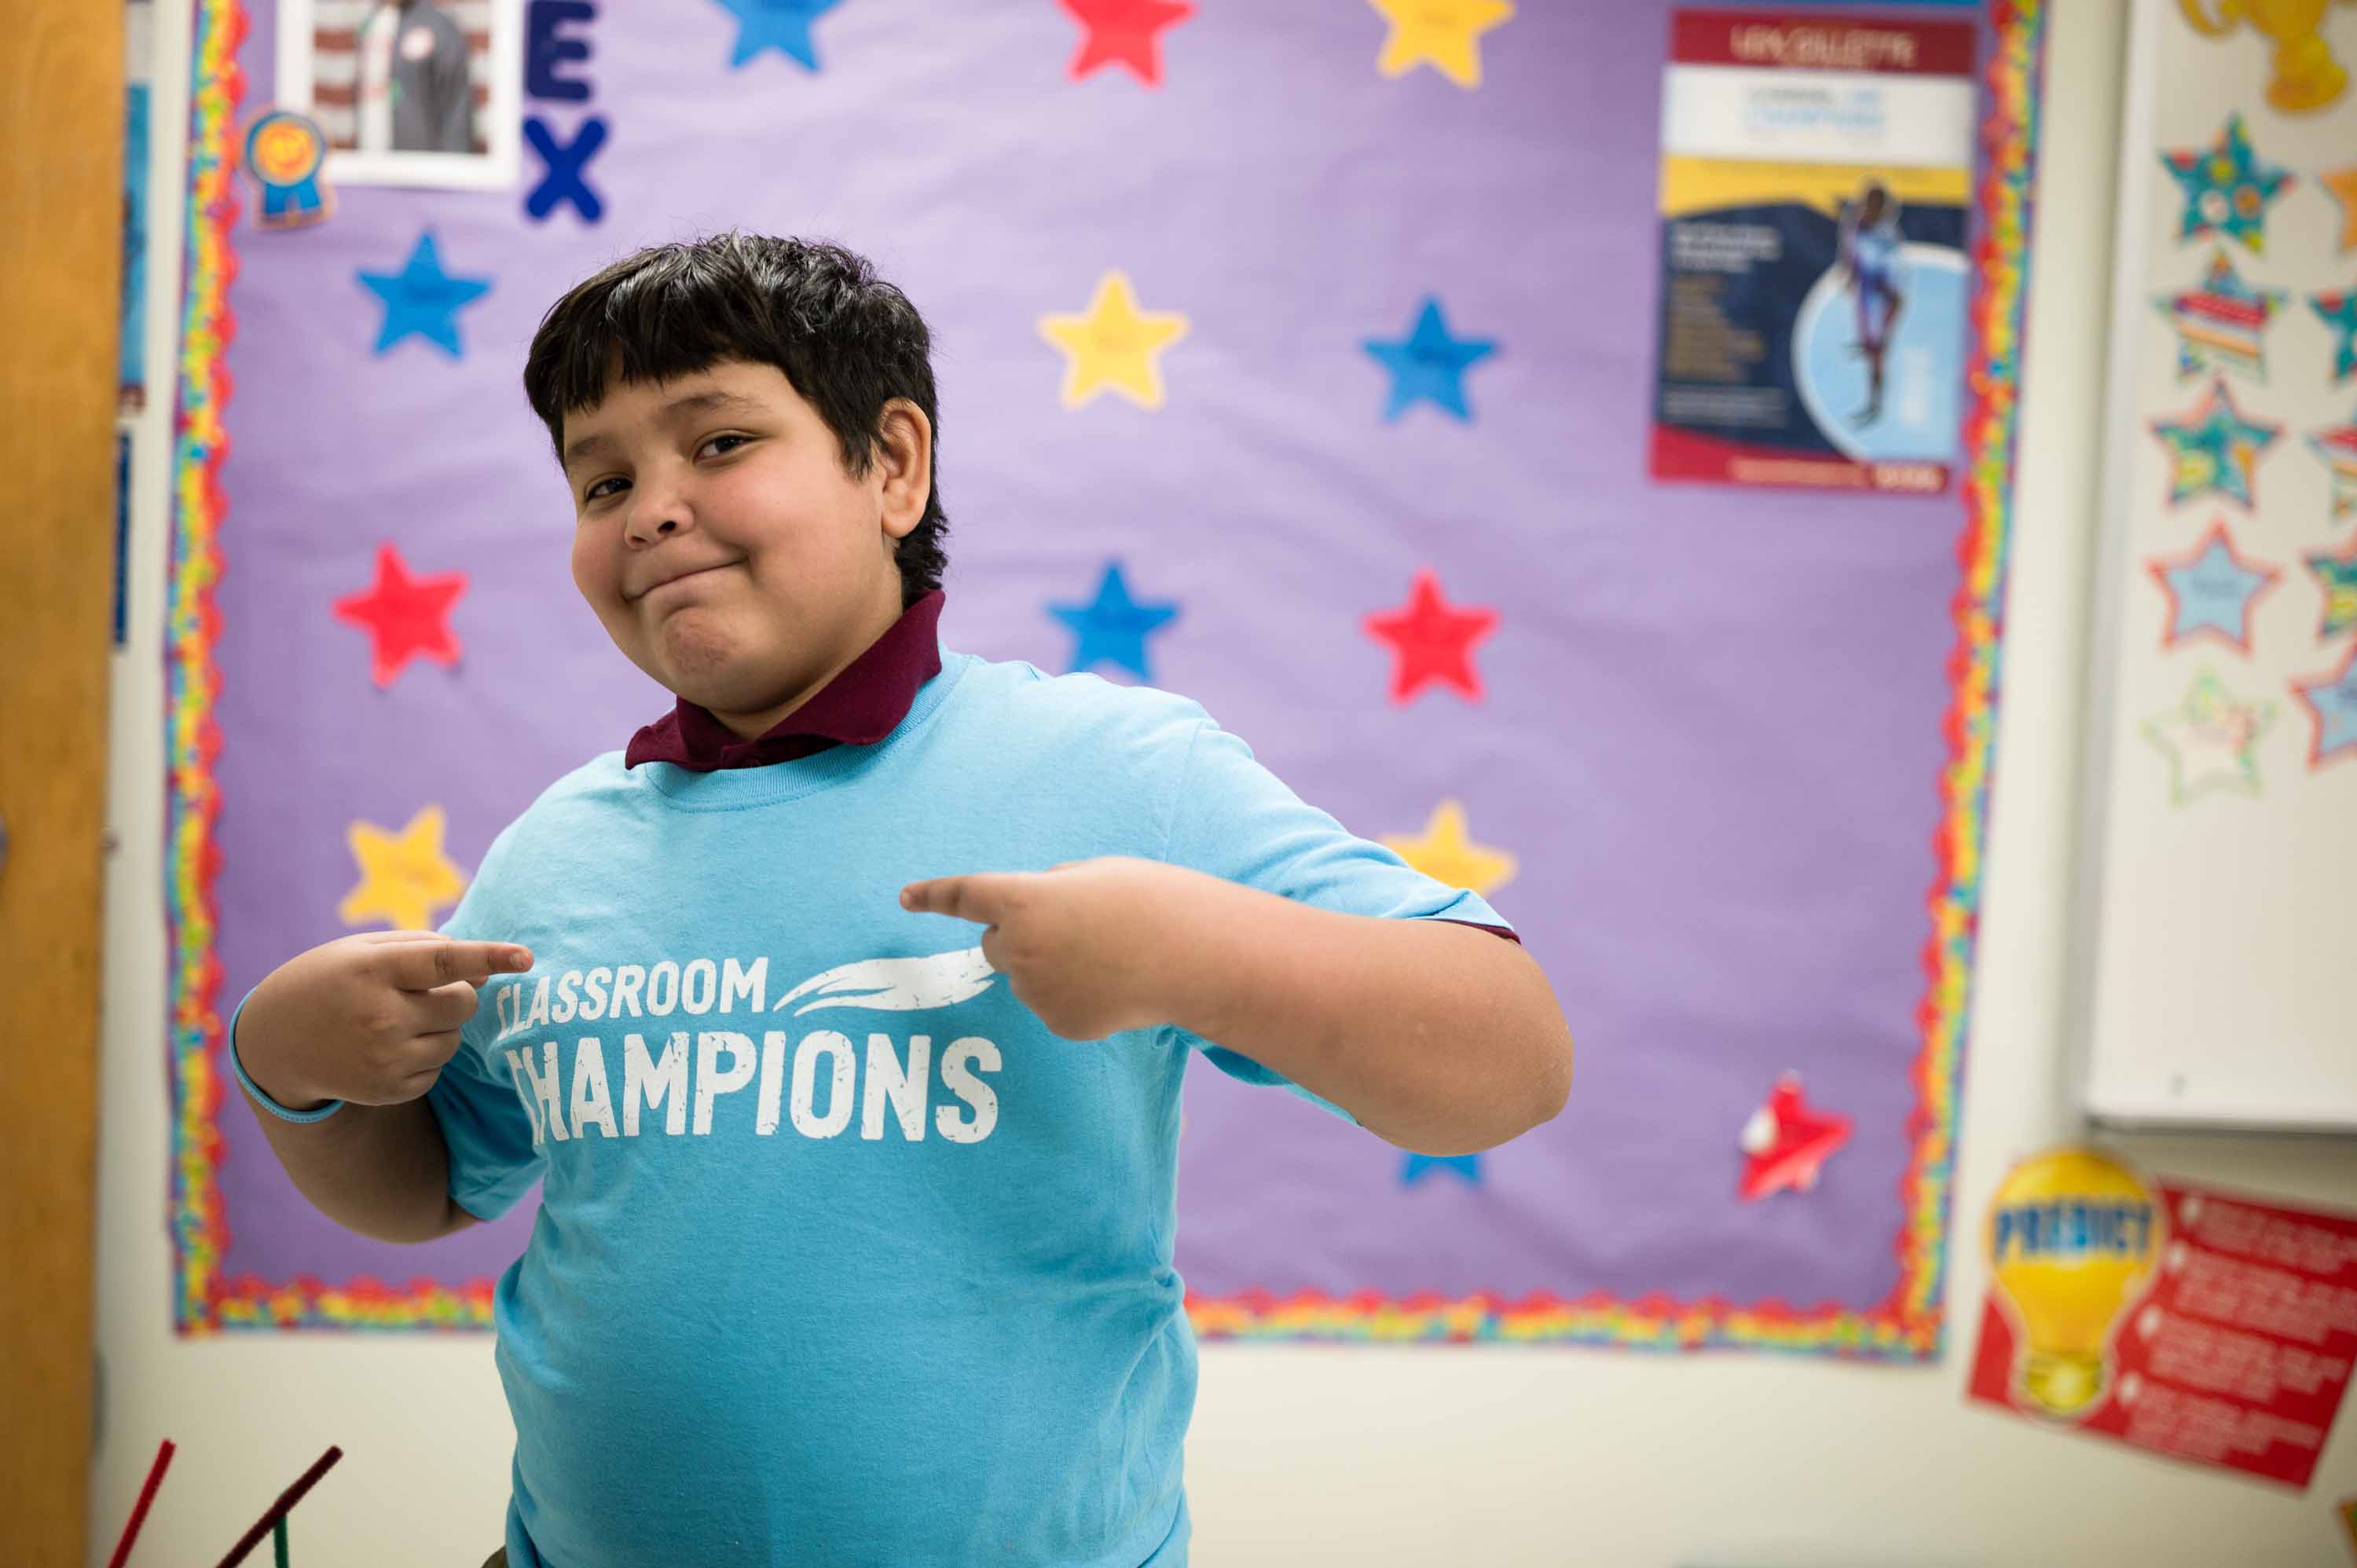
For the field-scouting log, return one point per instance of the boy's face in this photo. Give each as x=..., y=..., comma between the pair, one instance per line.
x=724, y=544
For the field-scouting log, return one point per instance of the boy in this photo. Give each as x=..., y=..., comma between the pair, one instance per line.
x=855, y=1236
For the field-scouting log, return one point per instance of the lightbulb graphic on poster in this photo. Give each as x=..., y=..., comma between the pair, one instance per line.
x=2204, y=1325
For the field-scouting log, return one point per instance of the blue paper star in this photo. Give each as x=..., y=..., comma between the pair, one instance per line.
x=2338, y=312
x=2333, y=699
x=781, y=25
x=1114, y=628
x=2226, y=187
x=2212, y=590
x=1430, y=364
x=2215, y=448
x=1418, y=1166
x=423, y=299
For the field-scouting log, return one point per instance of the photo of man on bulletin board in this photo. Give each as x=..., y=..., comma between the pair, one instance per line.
x=411, y=93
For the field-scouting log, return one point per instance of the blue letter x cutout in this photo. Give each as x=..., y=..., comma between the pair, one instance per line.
x=563, y=181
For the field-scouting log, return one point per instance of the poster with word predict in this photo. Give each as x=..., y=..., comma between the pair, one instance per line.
x=2221, y=811
x=1293, y=357
x=1816, y=174
x=2210, y=1328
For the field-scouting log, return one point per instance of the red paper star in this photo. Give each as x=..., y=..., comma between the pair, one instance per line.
x=405, y=615
x=1123, y=30
x=1433, y=640
x=1786, y=1141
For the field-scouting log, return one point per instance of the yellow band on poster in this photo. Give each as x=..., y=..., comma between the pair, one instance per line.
x=1691, y=185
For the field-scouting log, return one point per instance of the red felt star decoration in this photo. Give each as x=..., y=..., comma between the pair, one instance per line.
x=1433, y=640
x=1123, y=30
x=405, y=615
x=1786, y=1141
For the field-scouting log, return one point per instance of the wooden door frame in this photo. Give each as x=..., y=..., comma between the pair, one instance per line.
x=61, y=126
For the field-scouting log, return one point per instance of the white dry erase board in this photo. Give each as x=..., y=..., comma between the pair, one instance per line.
x=2217, y=899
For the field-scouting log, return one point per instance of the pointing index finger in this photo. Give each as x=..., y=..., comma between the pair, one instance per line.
x=980, y=898
x=423, y=966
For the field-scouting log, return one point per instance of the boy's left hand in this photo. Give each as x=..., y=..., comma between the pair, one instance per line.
x=1093, y=947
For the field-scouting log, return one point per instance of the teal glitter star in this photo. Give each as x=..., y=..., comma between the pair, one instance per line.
x=2215, y=448
x=2339, y=313
x=2227, y=188
x=2336, y=575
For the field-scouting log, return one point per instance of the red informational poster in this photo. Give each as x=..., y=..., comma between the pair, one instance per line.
x=2201, y=1324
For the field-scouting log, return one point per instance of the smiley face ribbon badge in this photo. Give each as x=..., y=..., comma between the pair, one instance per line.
x=283, y=154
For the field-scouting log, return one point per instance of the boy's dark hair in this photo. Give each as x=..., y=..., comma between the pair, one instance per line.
x=845, y=339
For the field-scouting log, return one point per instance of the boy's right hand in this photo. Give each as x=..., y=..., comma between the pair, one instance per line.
x=369, y=1018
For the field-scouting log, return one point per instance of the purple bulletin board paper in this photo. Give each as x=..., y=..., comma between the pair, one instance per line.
x=1736, y=746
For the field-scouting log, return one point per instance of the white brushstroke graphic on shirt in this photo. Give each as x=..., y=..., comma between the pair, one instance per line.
x=895, y=984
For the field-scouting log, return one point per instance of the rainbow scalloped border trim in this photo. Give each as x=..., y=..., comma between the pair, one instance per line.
x=1905, y=1326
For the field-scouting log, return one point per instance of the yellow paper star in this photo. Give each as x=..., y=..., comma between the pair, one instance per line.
x=2343, y=185
x=1445, y=855
x=1439, y=32
x=1112, y=344
x=403, y=876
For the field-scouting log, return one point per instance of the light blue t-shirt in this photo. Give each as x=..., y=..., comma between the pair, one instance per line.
x=842, y=1256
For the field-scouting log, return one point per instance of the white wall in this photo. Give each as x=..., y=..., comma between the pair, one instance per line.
x=1409, y=1456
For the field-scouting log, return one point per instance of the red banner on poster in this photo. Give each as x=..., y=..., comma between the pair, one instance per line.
x=2203, y=1325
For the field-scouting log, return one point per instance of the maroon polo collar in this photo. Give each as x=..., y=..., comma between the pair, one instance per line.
x=859, y=707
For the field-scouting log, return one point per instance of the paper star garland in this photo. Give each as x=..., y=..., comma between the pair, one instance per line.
x=2339, y=313
x=405, y=875
x=2215, y=448
x=1430, y=364
x=2331, y=701
x=2337, y=445
x=405, y=616
x=1447, y=854
x=1416, y=1167
x=781, y=25
x=1443, y=34
x=1112, y=344
x=1787, y=1141
x=1432, y=641
x=2227, y=188
x=2221, y=323
x=423, y=300
x=1126, y=31
x=1114, y=628
x=2341, y=183
x=2210, y=739
x=2211, y=591
x=2337, y=577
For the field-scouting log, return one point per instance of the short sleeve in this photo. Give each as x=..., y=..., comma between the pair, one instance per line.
x=494, y=1157
x=1236, y=820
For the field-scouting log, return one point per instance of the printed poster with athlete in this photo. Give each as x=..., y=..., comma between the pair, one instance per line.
x=1814, y=178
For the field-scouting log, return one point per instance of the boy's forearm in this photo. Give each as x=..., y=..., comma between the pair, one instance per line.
x=1437, y=1038
x=379, y=1170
